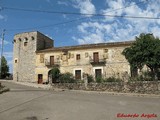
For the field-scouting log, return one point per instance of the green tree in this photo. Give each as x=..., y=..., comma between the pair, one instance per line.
x=144, y=51
x=4, y=68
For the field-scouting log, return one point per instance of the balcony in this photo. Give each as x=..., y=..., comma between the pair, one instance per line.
x=49, y=64
x=97, y=61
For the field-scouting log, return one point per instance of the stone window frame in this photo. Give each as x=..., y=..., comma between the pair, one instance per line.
x=74, y=70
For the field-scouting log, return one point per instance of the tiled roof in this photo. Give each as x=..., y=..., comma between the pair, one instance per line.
x=87, y=46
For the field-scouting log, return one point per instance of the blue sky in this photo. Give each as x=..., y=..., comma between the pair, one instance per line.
x=91, y=29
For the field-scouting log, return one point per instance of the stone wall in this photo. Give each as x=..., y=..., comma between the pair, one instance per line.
x=43, y=42
x=24, y=58
x=147, y=87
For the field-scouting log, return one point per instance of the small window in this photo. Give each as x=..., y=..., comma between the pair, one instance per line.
x=15, y=61
x=26, y=39
x=25, y=43
x=78, y=57
x=32, y=38
x=14, y=40
x=20, y=39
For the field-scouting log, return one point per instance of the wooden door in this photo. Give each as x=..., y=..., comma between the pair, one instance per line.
x=95, y=57
x=78, y=74
x=40, y=78
x=98, y=73
x=51, y=60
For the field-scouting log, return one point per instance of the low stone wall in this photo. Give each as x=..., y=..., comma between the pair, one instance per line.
x=146, y=87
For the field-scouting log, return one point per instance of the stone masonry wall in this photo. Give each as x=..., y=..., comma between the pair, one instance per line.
x=24, y=59
x=44, y=42
x=24, y=56
x=150, y=87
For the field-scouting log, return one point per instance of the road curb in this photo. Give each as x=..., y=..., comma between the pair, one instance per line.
x=116, y=93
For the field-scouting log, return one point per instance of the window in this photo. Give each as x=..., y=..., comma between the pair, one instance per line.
x=78, y=74
x=15, y=61
x=25, y=43
x=32, y=38
x=95, y=57
x=51, y=60
x=20, y=39
x=78, y=57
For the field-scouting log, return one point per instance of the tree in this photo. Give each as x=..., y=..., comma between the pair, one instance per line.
x=144, y=51
x=4, y=68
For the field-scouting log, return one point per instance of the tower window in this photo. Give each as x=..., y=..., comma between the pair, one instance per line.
x=15, y=61
x=26, y=38
x=19, y=39
x=32, y=38
x=25, y=43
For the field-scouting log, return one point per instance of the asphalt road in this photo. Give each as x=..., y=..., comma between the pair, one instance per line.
x=27, y=103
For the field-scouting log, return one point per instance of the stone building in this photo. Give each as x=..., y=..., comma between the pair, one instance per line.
x=35, y=55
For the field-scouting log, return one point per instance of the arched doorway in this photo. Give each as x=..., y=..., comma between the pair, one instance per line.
x=50, y=78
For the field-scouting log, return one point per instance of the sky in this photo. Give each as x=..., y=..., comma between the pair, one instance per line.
x=84, y=27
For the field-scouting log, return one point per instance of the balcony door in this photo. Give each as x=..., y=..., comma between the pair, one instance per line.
x=51, y=60
x=95, y=57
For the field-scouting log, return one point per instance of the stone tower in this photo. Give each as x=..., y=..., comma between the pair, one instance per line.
x=24, y=50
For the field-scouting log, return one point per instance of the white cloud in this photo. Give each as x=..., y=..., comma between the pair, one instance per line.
x=85, y=7
x=121, y=29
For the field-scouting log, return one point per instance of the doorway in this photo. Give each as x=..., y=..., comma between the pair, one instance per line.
x=98, y=73
x=40, y=78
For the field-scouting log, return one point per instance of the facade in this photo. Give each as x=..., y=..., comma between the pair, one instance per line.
x=35, y=55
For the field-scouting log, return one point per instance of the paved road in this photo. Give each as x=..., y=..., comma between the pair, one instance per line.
x=26, y=103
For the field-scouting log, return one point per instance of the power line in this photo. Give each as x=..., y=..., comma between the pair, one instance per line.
x=69, y=13
x=82, y=18
x=89, y=14
x=60, y=23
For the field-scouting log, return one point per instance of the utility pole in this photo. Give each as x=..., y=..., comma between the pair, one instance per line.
x=2, y=44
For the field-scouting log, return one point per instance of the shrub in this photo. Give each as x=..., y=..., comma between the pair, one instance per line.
x=90, y=78
x=99, y=79
x=66, y=78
